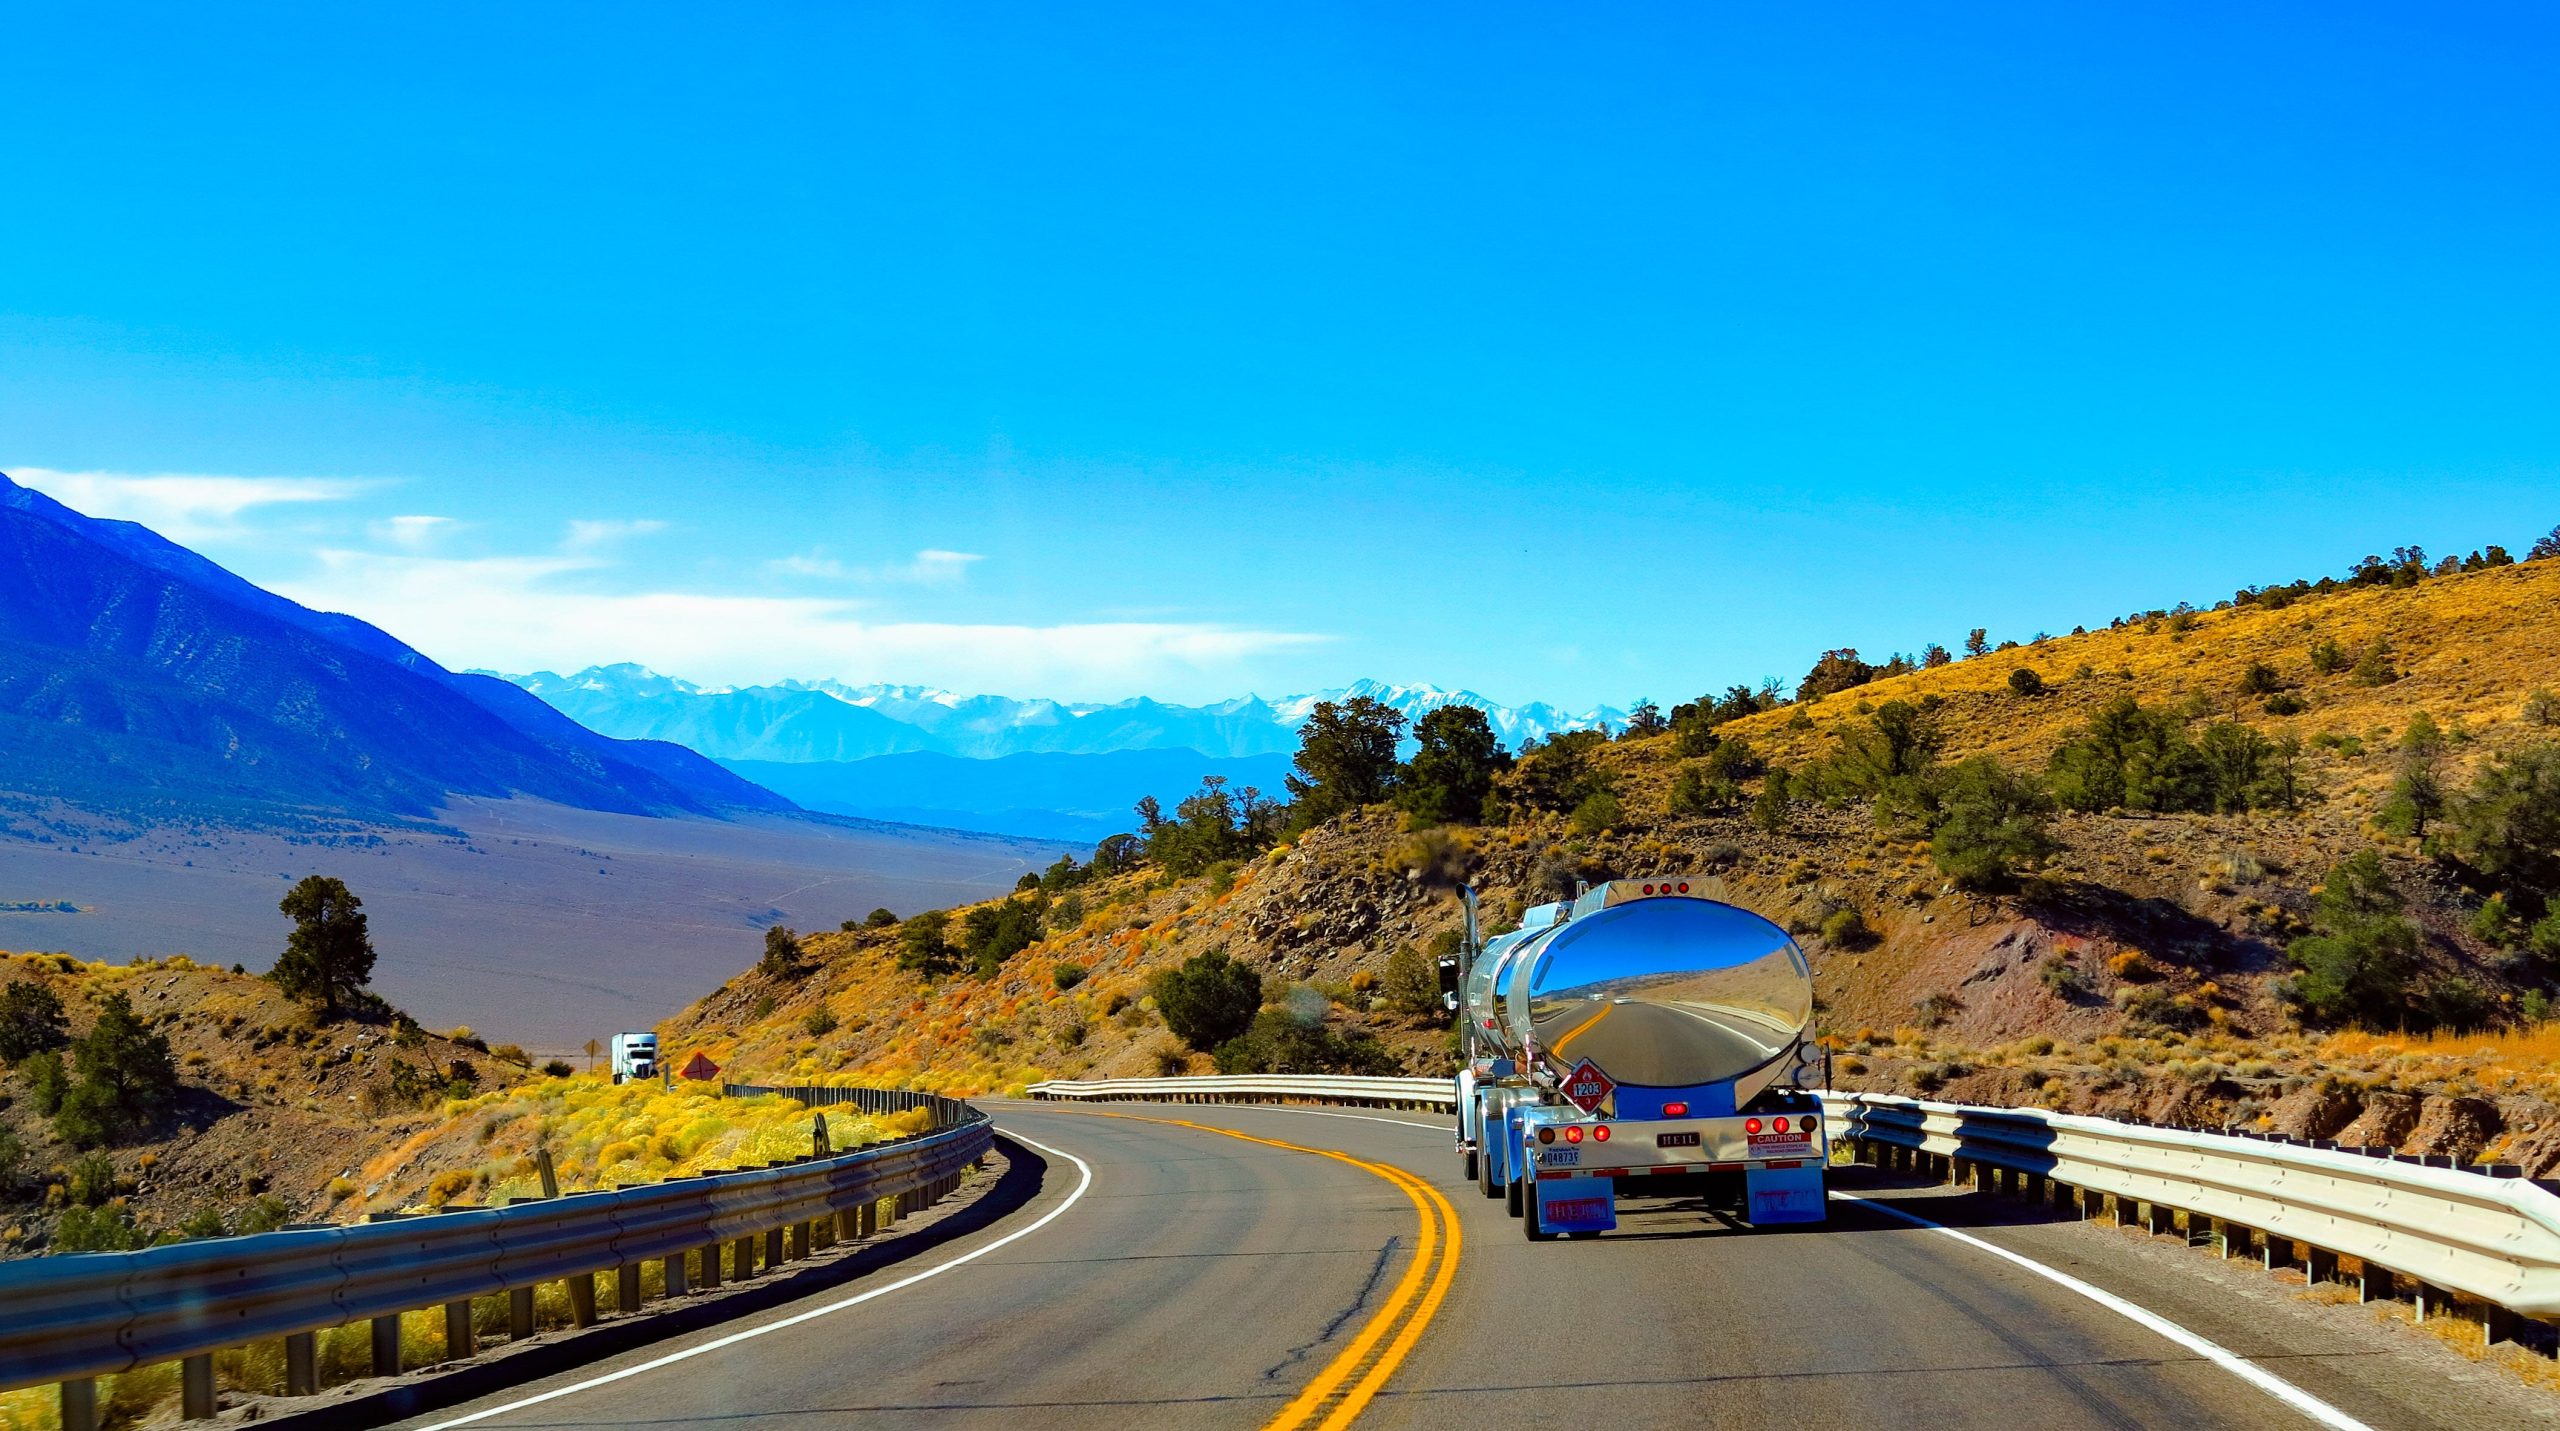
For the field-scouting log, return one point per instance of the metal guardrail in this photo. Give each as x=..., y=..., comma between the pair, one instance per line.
x=1440, y=1093
x=2490, y=1238
x=72, y=1318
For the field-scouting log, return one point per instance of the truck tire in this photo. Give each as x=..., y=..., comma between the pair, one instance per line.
x=1519, y=1196
x=1484, y=1174
x=1530, y=1223
x=1472, y=1158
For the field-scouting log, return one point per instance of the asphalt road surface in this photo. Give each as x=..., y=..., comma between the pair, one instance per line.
x=1165, y=1275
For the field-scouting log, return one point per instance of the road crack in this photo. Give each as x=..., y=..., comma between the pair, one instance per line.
x=1368, y=1289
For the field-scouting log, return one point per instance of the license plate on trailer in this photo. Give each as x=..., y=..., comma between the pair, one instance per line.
x=1559, y=1157
x=1675, y=1140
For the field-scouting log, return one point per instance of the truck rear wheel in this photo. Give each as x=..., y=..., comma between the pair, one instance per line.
x=1472, y=1158
x=1484, y=1174
x=1531, y=1224
x=1518, y=1196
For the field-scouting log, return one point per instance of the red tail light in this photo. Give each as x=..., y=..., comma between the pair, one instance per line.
x=1750, y=1125
x=1573, y=1135
x=1675, y=1110
x=1601, y=1132
x=1782, y=1123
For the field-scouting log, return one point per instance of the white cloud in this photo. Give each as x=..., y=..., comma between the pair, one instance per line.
x=930, y=567
x=412, y=533
x=524, y=613
x=588, y=535
x=183, y=507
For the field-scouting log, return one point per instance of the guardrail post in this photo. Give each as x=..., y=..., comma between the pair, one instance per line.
x=519, y=1313
x=626, y=1288
x=742, y=1257
x=196, y=1390
x=676, y=1273
x=2235, y=1240
x=773, y=1253
x=2497, y=1324
x=866, y=1219
x=2278, y=1252
x=2124, y=1210
x=2428, y=1300
x=2158, y=1218
x=301, y=1364
x=582, y=1299
x=457, y=1330
x=2092, y=1203
x=2375, y=1285
x=711, y=1267
x=1960, y=1170
x=797, y=1235
x=386, y=1345
x=2319, y=1264
x=80, y=1404
x=848, y=1227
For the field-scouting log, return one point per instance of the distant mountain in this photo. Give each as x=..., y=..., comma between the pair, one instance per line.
x=797, y=722
x=138, y=677
x=1038, y=794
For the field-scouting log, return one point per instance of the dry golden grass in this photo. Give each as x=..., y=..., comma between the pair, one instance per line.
x=2467, y=648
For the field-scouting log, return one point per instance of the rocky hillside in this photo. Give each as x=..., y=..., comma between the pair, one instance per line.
x=2144, y=954
x=274, y=1113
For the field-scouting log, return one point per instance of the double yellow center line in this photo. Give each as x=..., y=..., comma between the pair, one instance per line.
x=1343, y=1389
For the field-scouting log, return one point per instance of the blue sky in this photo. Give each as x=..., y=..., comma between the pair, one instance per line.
x=1188, y=350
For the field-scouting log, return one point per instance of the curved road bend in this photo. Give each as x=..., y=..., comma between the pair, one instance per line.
x=1203, y=1280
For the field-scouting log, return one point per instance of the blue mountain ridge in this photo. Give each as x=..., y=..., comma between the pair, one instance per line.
x=136, y=676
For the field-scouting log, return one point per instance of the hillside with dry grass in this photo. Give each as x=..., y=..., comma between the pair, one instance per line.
x=281, y=1116
x=2140, y=964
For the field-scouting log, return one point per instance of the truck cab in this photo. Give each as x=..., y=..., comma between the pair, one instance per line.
x=635, y=1057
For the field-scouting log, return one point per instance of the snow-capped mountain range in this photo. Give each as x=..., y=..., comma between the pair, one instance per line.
x=804, y=721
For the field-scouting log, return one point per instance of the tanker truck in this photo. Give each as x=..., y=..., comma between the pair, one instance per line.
x=1642, y=1041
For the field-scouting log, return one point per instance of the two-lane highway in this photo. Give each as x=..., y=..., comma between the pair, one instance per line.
x=1185, y=1277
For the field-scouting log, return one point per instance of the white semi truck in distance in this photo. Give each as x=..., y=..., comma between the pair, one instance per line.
x=635, y=1057
x=1643, y=1041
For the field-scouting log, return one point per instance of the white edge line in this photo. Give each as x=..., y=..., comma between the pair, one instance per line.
x=2232, y=1362
x=1084, y=1181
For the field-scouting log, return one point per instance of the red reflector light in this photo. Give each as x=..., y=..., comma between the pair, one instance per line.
x=1675, y=1110
x=1601, y=1133
x=1684, y=886
x=1573, y=1135
x=1782, y=1124
x=1648, y=889
x=1750, y=1125
x=1546, y=1135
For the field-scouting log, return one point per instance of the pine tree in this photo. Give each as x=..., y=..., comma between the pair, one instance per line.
x=329, y=958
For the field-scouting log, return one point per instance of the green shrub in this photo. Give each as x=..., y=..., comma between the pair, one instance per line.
x=1695, y=792
x=30, y=1021
x=781, y=953
x=2508, y=825
x=821, y=1022
x=1598, y=813
x=2260, y=680
x=557, y=1068
x=1989, y=822
x=1067, y=976
x=46, y=1083
x=2374, y=667
x=1412, y=986
x=2457, y=1004
x=2541, y=707
x=2494, y=924
x=2357, y=967
x=1209, y=1000
x=1280, y=1041
x=2285, y=703
x=1847, y=929
x=2024, y=682
x=2326, y=658
x=123, y=1078
x=97, y=1229
x=91, y=1181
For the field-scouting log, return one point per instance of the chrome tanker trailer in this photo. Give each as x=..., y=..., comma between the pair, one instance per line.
x=1643, y=1041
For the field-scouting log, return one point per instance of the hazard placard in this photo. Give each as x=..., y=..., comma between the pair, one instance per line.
x=1587, y=1087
